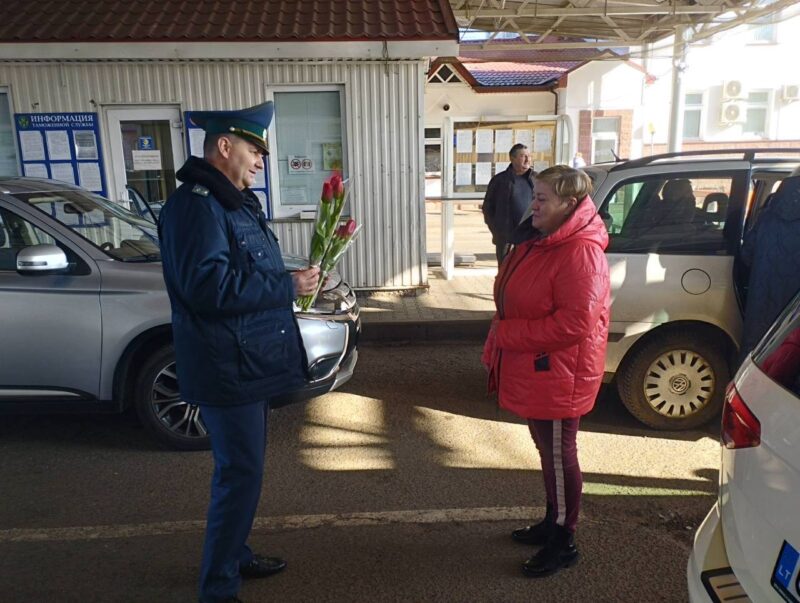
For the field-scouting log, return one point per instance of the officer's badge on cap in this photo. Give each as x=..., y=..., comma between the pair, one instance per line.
x=250, y=124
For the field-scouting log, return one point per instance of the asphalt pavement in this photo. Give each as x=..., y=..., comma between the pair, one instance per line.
x=403, y=486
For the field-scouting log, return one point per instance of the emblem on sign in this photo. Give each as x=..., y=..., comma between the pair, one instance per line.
x=300, y=164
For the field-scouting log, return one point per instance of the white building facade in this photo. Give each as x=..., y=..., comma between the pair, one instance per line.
x=740, y=88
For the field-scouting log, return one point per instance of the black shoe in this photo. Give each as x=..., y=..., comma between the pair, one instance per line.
x=537, y=534
x=261, y=566
x=559, y=552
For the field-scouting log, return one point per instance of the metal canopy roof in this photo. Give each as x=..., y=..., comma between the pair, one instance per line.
x=604, y=23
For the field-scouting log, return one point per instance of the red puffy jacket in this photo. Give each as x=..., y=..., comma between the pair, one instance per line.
x=546, y=349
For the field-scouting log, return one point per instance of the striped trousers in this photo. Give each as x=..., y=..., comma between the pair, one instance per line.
x=557, y=444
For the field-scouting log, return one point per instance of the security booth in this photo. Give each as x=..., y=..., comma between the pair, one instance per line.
x=109, y=108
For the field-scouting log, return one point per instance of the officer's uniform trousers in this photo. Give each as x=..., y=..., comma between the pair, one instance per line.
x=238, y=443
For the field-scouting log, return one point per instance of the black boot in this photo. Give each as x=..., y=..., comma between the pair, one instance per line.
x=537, y=534
x=559, y=552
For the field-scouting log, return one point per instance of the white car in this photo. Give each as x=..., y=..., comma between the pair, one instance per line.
x=748, y=547
x=675, y=225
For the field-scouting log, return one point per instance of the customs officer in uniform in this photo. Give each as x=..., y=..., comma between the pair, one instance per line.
x=237, y=343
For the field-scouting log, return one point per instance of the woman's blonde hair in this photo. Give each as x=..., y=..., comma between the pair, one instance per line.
x=566, y=181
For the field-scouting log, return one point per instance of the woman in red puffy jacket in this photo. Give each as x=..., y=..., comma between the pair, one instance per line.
x=546, y=348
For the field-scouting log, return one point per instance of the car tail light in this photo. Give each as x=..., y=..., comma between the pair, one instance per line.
x=740, y=427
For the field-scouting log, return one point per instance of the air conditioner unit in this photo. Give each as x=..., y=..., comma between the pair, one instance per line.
x=732, y=89
x=732, y=113
x=790, y=92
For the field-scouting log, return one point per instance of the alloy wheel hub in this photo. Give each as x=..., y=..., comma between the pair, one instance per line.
x=180, y=417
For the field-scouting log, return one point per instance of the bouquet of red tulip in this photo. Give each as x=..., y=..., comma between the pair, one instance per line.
x=329, y=211
x=330, y=240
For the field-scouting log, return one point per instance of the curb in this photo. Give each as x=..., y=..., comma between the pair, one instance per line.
x=430, y=330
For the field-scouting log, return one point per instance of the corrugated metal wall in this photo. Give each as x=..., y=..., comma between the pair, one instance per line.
x=384, y=112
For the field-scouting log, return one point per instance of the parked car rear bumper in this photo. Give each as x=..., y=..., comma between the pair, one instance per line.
x=709, y=570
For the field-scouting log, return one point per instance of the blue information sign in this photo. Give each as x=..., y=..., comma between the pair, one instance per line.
x=62, y=146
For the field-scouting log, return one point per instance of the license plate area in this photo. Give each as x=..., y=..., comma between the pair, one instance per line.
x=786, y=575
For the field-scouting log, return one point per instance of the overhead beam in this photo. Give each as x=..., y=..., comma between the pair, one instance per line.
x=586, y=11
x=495, y=47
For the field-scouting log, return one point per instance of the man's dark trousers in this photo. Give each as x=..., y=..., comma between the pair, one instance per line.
x=238, y=442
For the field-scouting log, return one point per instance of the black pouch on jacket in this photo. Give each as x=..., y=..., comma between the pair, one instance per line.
x=541, y=362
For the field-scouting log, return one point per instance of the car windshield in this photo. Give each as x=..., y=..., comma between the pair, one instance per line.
x=119, y=233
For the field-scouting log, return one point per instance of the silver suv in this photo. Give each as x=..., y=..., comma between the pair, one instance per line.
x=675, y=224
x=86, y=317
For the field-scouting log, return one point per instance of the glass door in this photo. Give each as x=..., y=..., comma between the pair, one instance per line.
x=146, y=151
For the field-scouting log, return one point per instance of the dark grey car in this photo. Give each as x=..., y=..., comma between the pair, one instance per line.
x=86, y=317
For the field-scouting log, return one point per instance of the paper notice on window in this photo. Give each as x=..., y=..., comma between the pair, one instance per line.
x=62, y=172
x=503, y=141
x=58, y=145
x=484, y=141
x=35, y=170
x=31, y=145
x=146, y=160
x=464, y=141
x=294, y=195
x=542, y=140
x=523, y=137
x=85, y=145
x=539, y=166
x=89, y=176
x=260, y=181
x=483, y=172
x=463, y=174
x=196, y=138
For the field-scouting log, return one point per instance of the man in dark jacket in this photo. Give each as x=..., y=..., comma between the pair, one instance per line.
x=508, y=197
x=772, y=251
x=236, y=340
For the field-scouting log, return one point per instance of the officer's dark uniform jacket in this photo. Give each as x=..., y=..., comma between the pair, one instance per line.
x=236, y=338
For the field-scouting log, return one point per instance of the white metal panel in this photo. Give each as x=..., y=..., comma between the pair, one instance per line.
x=384, y=133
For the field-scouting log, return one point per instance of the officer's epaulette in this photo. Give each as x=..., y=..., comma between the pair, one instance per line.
x=201, y=190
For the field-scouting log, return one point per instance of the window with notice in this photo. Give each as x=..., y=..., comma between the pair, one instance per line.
x=307, y=144
x=480, y=150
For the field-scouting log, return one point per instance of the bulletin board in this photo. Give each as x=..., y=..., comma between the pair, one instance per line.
x=62, y=146
x=480, y=150
x=194, y=143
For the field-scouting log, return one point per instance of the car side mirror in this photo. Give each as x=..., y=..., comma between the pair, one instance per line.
x=712, y=207
x=41, y=259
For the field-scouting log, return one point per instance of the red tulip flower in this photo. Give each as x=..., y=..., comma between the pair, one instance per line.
x=327, y=192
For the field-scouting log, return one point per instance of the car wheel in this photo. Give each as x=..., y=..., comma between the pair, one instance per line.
x=675, y=381
x=167, y=417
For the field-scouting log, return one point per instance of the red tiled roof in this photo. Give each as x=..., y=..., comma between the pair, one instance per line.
x=516, y=74
x=225, y=20
x=515, y=62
